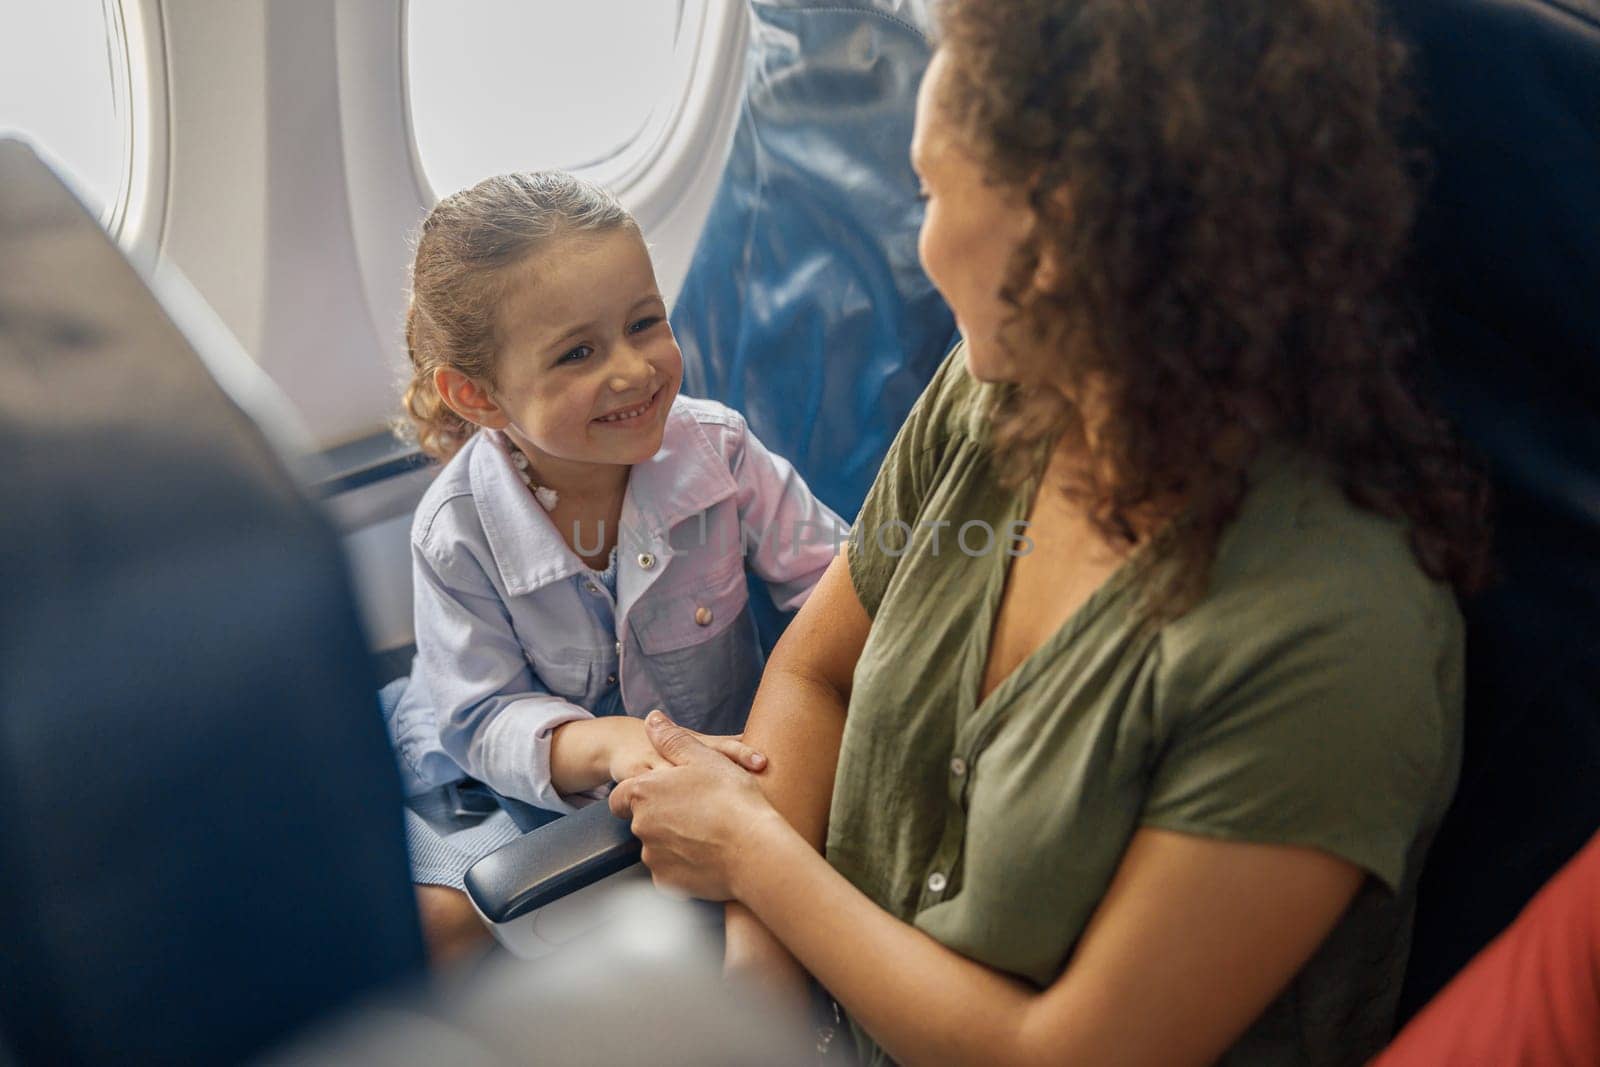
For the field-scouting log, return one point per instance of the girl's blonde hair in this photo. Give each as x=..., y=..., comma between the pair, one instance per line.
x=459, y=275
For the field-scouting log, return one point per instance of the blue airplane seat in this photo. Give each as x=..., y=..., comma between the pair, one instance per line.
x=199, y=813
x=1509, y=249
x=805, y=307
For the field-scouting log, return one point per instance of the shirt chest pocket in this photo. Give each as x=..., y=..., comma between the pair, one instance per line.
x=678, y=619
x=700, y=646
x=566, y=672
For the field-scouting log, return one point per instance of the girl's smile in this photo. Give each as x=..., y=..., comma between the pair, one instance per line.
x=634, y=417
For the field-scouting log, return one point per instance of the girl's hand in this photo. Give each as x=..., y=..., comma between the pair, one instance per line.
x=702, y=817
x=632, y=754
x=587, y=753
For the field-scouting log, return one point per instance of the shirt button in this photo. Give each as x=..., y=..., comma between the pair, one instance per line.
x=702, y=616
x=937, y=882
x=958, y=767
x=646, y=560
x=591, y=587
x=611, y=679
x=619, y=648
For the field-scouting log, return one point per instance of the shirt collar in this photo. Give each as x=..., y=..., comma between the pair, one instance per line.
x=686, y=476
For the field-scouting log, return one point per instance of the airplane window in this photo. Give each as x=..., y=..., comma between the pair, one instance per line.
x=503, y=85
x=64, y=88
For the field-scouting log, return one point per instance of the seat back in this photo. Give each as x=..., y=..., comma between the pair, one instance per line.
x=199, y=814
x=805, y=306
x=1509, y=244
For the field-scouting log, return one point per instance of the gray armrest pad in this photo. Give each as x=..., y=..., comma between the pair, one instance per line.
x=551, y=862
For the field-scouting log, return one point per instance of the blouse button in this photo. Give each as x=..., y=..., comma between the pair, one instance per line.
x=702, y=616
x=958, y=767
x=646, y=560
x=937, y=882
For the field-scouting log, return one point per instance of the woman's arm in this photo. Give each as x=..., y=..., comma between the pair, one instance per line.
x=1191, y=942
x=1189, y=946
x=797, y=721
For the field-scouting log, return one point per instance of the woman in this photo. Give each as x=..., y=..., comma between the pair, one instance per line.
x=1152, y=782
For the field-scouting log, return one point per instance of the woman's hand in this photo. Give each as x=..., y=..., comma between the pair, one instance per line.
x=632, y=753
x=587, y=753
x=702, y=819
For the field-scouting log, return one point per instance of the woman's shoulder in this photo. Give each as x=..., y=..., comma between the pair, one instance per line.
x=1303, y=567
x=957, y=402
x=1297, y=521
x=952, y=409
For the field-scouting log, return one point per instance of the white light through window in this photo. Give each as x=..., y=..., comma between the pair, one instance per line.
x=63, y=88
x=506, y=85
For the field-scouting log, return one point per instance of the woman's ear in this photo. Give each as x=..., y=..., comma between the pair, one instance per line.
x=1048, y=275
x=469, y=399
x=1051, y=273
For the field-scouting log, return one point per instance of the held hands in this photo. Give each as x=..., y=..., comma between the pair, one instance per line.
x=701, y=816
x=587, y=753
x=633, y=754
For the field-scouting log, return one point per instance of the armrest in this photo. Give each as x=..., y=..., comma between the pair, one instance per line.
x=552, y=862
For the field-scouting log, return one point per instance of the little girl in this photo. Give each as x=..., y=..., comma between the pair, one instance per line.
x=581, y=557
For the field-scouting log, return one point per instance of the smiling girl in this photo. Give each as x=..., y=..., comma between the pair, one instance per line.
x=581, y=557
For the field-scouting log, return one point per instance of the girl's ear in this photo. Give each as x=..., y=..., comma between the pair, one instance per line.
x=469, y=399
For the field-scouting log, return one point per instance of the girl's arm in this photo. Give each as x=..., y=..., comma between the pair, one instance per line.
x=797, y=720
x=497, y=720
x=793, y=536
x=1193, y=939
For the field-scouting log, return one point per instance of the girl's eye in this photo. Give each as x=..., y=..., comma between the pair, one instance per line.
x=644, y=324
x=581, y=352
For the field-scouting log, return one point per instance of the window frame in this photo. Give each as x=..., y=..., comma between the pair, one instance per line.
x=124, y=108
x=627, y=171
x=142, y=215
x=124, y=111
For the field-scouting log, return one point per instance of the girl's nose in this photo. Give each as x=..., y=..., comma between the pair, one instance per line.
x=630, y=371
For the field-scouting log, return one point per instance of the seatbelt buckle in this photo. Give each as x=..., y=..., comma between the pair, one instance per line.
x=469, y=799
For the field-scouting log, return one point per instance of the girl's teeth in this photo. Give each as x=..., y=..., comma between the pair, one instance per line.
x=619, y=416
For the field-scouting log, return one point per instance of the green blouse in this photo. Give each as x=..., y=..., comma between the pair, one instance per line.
x=1312, y=698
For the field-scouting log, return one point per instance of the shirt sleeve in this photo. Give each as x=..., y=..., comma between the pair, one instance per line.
x=793, y=536
x=1322, y=719
x=894, y=503
x=495, y=717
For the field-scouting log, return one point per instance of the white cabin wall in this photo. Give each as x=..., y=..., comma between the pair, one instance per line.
x=257, y=207
x=216, y=149
x=318, y=334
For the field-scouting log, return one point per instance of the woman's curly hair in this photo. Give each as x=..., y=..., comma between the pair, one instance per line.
x=1222, y=195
